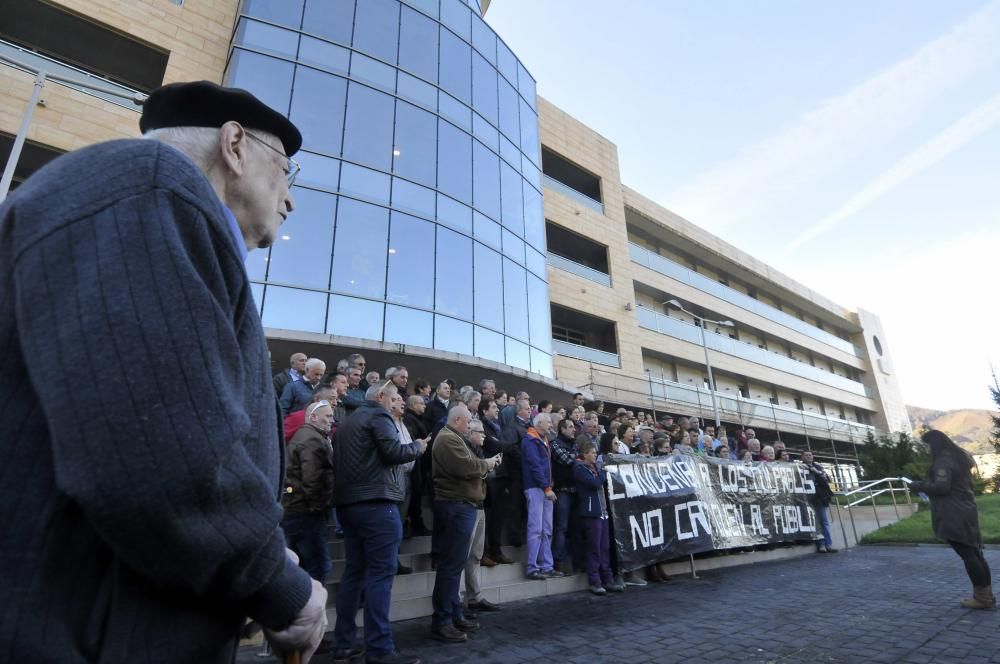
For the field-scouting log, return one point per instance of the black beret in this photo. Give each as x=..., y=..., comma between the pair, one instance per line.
x=207, y=104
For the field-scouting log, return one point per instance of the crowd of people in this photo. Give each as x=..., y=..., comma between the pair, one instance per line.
x=368, y=451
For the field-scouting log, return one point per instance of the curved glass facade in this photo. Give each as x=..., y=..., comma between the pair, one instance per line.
x=419, y=206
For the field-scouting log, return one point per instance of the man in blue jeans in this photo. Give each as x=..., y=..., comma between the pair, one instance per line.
x=367, y=457
x=459, y=486
x=821, y=501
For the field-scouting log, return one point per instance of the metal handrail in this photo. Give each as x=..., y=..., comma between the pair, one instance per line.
x=870, y=492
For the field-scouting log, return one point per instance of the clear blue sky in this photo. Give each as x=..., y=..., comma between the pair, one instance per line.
x=853, y=145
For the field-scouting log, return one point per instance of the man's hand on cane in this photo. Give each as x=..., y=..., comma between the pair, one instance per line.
x=306, y=631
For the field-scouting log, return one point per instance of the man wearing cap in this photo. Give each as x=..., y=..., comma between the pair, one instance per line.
x=146, y=501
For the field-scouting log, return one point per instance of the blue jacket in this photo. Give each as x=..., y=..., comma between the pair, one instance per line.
x=295, y=396
x=590, y=501
x=535, y=461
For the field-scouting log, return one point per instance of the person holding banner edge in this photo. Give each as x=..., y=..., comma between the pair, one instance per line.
x=821, y=501
x=954, y=516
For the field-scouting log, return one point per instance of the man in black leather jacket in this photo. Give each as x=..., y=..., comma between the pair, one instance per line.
x=366, y=459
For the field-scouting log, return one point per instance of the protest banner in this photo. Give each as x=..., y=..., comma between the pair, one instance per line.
x=670, y=506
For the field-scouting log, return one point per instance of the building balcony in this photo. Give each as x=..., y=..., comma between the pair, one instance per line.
x=652, y=320
x=572, y=193
x=585, y=353
x=579, y=270
x=707, y=285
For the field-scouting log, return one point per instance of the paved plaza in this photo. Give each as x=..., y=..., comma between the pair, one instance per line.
x=868, y=604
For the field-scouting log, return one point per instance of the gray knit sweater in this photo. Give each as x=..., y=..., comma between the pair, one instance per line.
x=137, y=420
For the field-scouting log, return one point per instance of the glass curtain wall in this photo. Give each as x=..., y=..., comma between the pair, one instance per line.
x=419, y=207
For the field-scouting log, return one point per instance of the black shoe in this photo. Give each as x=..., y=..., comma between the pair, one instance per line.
x=553, y=574
x=448, y=634
x=466, y=625
x=483, y=605
x=537, y=575
x=392, y=658
x=347, y=655
x=403, y=569
x=470, y=614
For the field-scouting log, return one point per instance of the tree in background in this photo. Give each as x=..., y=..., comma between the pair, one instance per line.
x=995, y=394
x=893, y=455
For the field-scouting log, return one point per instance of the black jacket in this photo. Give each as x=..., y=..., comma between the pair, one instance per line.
x=414, y=424
x=308, y=472
x=819, y=477
x=434, y=414
x=511, y=438
x=954, y=516
x=367, y=457
x=563, y=462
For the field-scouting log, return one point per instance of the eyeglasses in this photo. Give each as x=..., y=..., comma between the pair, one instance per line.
x=292, y=167
x=313, y=407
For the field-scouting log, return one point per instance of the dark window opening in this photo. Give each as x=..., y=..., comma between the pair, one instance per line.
x=576, y=248
x=33, y=157
x=583, y=330
x=81, y=42
x=571, y=175
x=798, y=403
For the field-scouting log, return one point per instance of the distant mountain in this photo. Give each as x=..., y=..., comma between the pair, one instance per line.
x=967, y=427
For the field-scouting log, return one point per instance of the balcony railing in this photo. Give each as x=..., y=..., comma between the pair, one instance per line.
x=579, y=270
x=585, y=353
x=17, y=57
x=577, y=196
x=750, y=410
x=667, y=267
x=678, y=329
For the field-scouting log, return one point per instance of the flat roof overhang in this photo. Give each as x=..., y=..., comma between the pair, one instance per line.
x=430, y=364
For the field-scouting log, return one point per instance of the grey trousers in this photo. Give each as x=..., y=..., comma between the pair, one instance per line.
x=472, y=569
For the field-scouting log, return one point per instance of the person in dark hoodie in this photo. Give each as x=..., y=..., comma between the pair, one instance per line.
x=563, y=463
x=590, y=478
x=954, y=516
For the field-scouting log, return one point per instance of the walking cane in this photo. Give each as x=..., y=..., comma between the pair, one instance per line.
x=294, y=657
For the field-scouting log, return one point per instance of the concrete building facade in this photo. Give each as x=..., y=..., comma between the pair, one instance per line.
x=449, y=215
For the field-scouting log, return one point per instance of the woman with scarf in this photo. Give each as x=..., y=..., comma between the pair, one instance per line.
x=953, y=512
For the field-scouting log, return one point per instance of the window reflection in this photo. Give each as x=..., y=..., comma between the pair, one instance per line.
x=454, y=214
x=540, y=325
x=359, y=250
x=541, y=362
x=517, y=353
x=484, y=40
x=452, y=335
x=486, y=180
x=488, y=284
x=267, y=38
x=512, y=213
x=318, y=170
x=509, y=110
x=486, y=230
x=294, y=309
x=301, y=254
x=415, y=90
x=418, y=44
x=318, y=109
x=454, y=273
x=412, y=198
x=484, y=88
x=368, y=127
x=269, y=79
x=411, y=274
x=322, y=54
x=515, y=302
x=365, y=183
x=286, y=13
x=332, y=19
x=408, y=326
x=376, y=29
x=506, y=62
x=489, y=345
x=529, y=131
x=257, y=290
x=415, y=151
x=456, y=15
x=351, y=317
x=372, y=71
x=256, y=263
x=456, y=66
x=454, y=162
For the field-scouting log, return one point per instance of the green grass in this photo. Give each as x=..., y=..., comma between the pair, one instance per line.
x=917, y=528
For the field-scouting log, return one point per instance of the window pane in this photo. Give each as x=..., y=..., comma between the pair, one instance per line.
x=541, y=362
x=489, y=345
x=429, y=7
x=534, y=219
x=351, y=317
x=529, y=131
x=365, y=183
x=454, y=214
x=509, y=109
x=376, y=28
x=531, y=174
x=512, y=214
x=318, y=109
x=455, y=110
x=416, y=90
x=411, y=272
x=372, y=71
x=318, y=170
x=506, y=62
x=486, y=230
x=513, y=247
x=515, y=300
x=484, y=39
x=456, y=66
x=368, y=132
x=293, y=309
x=256, y=264
x=332, y=19
x=359, y=248
x=286, y=13
x=510, y=153
x=268, y=38
x=320, y=53
x=408, y=326
x=517, y=354
x=488, y=288
x=453, y=284
x=535, y=262
x=257, y=290
x=452, y=335
x=538, y=312
x=456, y=15
x=269, y=79
x=415, y=153
x=486, y=180
x=418, y=44
x=412, y=198
x=303, y=258
x=454, y=162
x=526, y=84
x=485, y=132
x=484, y=88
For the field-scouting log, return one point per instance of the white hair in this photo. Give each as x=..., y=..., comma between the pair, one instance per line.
x=198, y=143
x=539, y=418
x=387, y=389
x=314, y=362
x=457, y=411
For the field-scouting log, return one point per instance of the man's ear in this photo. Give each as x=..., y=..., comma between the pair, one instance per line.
x=233, y=145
